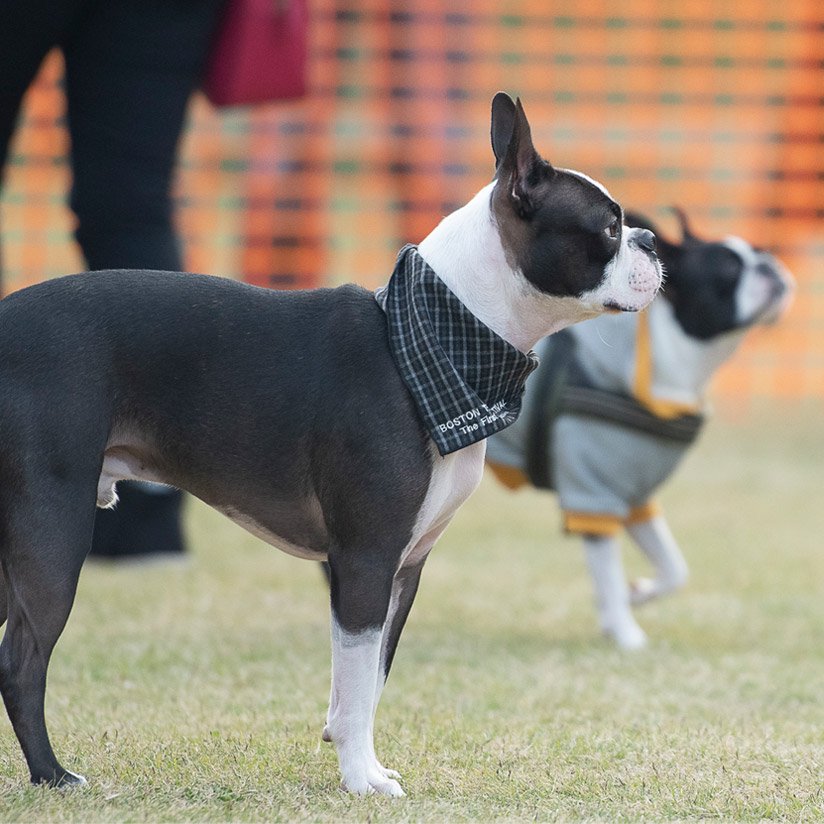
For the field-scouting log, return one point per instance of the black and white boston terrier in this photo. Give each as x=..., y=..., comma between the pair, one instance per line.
x=334, y=425
x=617, y=401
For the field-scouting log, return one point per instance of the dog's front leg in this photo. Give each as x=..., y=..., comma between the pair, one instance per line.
x=603, y=554
x=360, y=606
x=404, y=589
x=655, y=539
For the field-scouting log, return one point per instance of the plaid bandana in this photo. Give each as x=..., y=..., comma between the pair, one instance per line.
x=466, y=380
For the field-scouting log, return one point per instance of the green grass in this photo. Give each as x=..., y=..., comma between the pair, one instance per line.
x=199, y=692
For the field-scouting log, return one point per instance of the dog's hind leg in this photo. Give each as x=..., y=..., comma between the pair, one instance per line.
x=603, y=554
x=361, y=594
x=655, y=539
x=44, y=543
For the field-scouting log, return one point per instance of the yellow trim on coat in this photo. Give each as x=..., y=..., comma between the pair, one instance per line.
x=643, y=377
x=643, y=513
x=590, y=523
x=509, y=476
x=599, y=523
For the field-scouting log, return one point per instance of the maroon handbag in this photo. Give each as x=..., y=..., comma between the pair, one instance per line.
x=259, y=53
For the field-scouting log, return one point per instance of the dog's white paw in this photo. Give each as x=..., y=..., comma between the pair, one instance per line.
x=389, y=773
x=71, y=781
x=363, y=774
x=372, y=781
x=642, y=590
x=628, y=636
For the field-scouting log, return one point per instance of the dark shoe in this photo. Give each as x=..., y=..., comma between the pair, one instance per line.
x=143, y=525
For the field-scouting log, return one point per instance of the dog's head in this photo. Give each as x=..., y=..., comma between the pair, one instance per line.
x=562, y=230
x=716, y=287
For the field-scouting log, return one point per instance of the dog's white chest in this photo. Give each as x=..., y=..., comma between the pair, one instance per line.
x=454, y=478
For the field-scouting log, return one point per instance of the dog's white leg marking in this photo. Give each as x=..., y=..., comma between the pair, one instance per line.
x=404, y=587
x=397, y=588
x=350, y=724
x=655, y=539
x=603, y=556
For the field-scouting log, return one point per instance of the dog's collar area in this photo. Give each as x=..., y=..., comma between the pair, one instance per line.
x=466, y=380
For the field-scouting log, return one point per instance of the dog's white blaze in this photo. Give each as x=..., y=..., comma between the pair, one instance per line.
x=631, y=278
x=755, y=297
x=588, y=179
x=355, y=668
x=753, y=291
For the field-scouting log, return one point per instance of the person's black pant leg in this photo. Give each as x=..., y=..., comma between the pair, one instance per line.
x=130, y=71
x=29, y=29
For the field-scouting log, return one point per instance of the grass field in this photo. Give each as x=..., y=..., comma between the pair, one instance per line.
x=198, y=692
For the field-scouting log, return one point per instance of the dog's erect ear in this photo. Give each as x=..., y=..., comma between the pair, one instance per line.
x=635, y=220
x=503, y=124
x=664, y=248
x=518, y=166
x=686, y=231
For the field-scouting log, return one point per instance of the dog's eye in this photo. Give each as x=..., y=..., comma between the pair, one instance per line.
x=612, y=230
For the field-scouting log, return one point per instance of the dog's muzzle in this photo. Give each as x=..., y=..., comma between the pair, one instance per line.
x=645, y=239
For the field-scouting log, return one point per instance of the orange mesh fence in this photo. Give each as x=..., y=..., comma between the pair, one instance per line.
x=715, y=106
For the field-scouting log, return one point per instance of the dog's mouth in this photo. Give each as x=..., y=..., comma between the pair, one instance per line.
x=778, y=289
x=775, y=305
x=616, y=308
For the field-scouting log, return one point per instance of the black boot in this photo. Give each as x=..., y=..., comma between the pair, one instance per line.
x=143, y=525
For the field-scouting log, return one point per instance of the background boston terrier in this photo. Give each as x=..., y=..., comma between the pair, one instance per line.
x=617, y=401
x=355, y=442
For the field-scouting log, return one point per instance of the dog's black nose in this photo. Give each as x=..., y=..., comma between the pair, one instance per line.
x=646, y=240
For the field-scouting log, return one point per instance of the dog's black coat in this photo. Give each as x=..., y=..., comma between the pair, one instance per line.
x=284, y=411
x=111, y=347
x=234, y=392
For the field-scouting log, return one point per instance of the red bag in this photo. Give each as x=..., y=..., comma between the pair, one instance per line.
x=259, y=53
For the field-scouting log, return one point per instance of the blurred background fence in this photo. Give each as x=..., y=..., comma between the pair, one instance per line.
x=714, y=105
